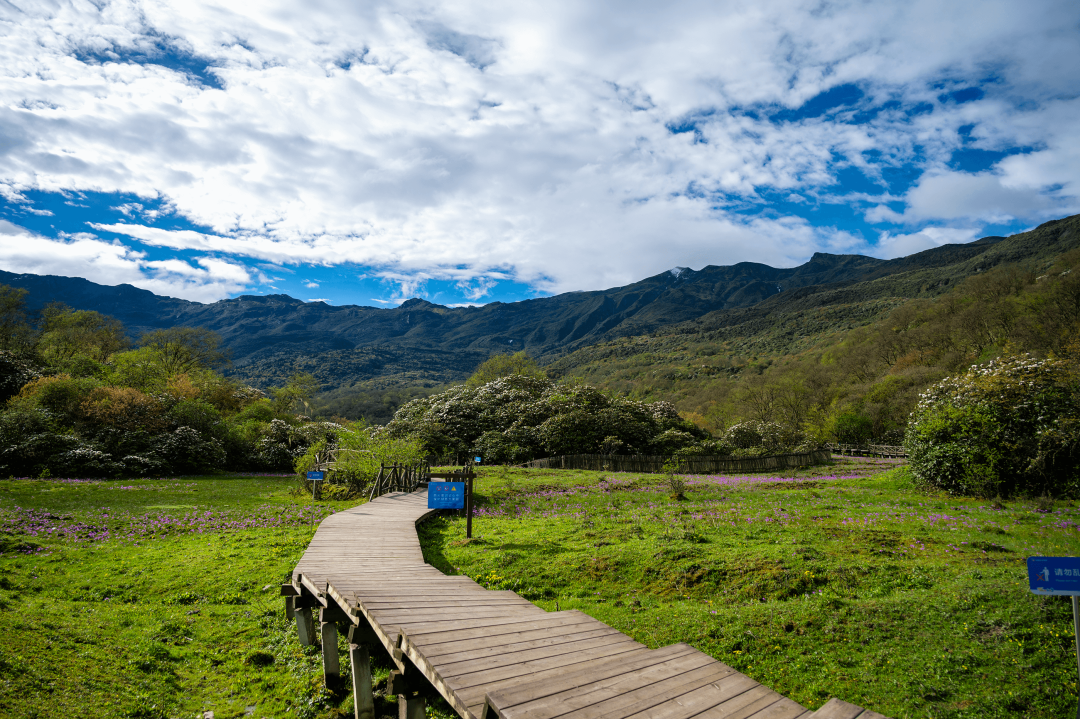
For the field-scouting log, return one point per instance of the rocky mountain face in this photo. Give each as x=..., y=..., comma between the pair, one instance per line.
x=271, y=336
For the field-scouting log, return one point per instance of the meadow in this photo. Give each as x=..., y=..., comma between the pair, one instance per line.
x=159, y=598
x=154, y=598
x=835, y=581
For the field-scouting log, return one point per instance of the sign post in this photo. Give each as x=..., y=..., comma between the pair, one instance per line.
x=1059, y=576
x=314, y=478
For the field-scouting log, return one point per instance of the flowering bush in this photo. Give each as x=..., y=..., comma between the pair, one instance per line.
x=760, y=438
x=516, y=418
x=1011, y=426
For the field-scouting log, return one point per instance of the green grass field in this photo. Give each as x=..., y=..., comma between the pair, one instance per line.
x=153, y=598
x=158, y=598
x=841, y=581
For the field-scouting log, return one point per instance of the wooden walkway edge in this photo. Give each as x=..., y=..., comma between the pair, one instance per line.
x=491, y=653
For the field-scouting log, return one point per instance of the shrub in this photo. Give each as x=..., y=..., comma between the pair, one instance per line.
x=360, y=451
x=518, y=417
x=1011, y=426
x=124, y=408
x=61, y=394
x=186, y=451
x=854, y=428
x=15, y=372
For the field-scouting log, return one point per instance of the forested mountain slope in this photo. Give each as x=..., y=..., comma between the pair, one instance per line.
x=421, y=343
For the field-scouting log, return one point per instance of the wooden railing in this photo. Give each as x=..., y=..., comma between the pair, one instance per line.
x=399, y=478
x=868, y=450
x=685, y=465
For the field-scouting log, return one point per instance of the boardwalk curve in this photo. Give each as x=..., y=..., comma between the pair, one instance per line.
x=491, y=653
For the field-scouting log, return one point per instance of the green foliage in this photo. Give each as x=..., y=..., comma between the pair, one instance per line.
x=296, y=393
x=1010, y=426
x=519, y=364
x=68, y=334
x=358, y=451
x=853, y=428
x=16, y=333
x=516, y=418
x=858, y=355
x=177, y=350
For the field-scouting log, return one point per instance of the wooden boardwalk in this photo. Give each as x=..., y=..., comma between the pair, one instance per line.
x=491, y=653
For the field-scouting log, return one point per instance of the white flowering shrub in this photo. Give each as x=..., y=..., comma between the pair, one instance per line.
x=1011, y=426
x=516, y=418
x=760, y=438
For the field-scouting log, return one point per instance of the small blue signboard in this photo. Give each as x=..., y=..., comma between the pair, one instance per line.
x=1054, y=575
x=477, y=460
x=316, y=476
x=446, y=495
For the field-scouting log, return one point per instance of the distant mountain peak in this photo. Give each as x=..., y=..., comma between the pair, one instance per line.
x=418, y=304
x=680, y=271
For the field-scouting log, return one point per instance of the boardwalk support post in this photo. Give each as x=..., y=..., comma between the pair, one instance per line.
x=330, y=661
x=412, y=707
x=305, y=625
x=363, y=698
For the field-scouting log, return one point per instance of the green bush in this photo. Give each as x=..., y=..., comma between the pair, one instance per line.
x=1007, y=427
x=517, y=418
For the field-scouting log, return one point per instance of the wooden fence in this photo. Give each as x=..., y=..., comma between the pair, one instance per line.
x=399, y=478
x=868, y=450
x=687, y=465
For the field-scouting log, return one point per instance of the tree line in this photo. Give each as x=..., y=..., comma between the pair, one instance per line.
x=82, y=399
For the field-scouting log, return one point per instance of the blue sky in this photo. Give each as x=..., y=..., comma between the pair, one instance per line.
x=476, y=152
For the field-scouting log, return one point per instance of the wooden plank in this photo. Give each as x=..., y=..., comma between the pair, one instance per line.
x=479, y=680
x=474, y=697
x=837, y=709
x=609, y=669
x=422, y=615
x=744, y=706
x=450, y=652
x=450, y=670
x=435, y=627
x=626, y=693
x=657, y=693
x=510, y=632
x=737, y=690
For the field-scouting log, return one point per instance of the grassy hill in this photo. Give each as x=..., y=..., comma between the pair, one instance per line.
x=868, y=347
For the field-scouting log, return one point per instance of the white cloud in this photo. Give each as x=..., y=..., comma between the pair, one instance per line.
x=311, y=285
x=481, y=141
x=112, y=263
x=890, y=246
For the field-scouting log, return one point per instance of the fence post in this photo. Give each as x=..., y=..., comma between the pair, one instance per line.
x=468, y=506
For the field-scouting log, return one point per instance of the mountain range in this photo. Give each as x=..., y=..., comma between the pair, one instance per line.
x=420, y=343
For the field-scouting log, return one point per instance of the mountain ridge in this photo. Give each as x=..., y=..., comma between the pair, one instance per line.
x=272, y=335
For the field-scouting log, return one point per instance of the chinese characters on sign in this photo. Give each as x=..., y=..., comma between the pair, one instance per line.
x=446, y=495
x=1054, y=575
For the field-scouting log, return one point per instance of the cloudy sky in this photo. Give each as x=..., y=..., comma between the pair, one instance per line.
x=468, y=151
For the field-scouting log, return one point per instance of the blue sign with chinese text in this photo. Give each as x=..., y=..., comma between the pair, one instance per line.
x=446, y=495
x=478, y=460
x=1054, y=575
x=316, y=476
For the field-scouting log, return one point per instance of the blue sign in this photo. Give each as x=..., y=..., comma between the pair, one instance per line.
x=446, y=495
x=316, y=476
x=477, y=460
x=1054, y=575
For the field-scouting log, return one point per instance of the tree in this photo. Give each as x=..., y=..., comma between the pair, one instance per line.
x=68, y=333
x=184, y=349
x=299, y=390
x=16, y=332
x=519, y=364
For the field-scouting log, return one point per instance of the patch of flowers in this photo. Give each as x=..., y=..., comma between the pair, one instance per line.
x=105, y=524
